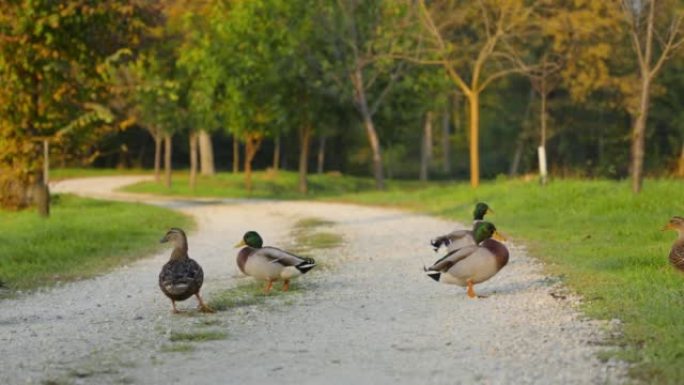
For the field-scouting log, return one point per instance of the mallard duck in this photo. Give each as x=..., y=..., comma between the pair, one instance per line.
x=462, y=237
x=269, y=263
x=677, y=252
x=181, y=277
x=472, y=264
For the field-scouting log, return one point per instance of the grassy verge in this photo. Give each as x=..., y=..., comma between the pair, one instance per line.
x=70, y=173
x=601, y=239
x=267, y=184
x=83, y=237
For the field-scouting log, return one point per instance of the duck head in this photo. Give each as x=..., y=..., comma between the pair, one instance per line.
x=251, y=239
x=481, y=209
x=676, y=223
x=176, y=237
x=486, y=230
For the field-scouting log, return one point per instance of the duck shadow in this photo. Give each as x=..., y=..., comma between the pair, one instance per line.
x=519, y=286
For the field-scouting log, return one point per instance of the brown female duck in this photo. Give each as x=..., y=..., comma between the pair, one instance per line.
x=677, y=252
x=181, y=277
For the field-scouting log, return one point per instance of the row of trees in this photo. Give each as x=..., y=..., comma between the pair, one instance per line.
x=79, y=73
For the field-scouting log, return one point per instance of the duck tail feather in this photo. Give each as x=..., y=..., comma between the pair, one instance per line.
x=306, y=265
x=434, y=275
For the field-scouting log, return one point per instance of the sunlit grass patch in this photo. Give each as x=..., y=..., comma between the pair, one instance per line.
x=178, y=347
x=247, y=294
x=322, y=240
x=197, y=336
x=82, y=238
x=266, y=184
x=311, y=222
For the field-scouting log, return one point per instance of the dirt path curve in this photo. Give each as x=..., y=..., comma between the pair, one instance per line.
x=373, y=318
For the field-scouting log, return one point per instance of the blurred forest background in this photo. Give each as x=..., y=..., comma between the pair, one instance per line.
x=390, y=89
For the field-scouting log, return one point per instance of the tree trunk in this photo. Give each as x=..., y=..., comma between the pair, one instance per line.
x=474, y=104
x=304, y=140
x=194, y=143
x=46, y=162
x=680, y=165
x=41, y=197
x=167, y=160
x=542, y=137
x=638, y=135
x=320, y=159
x=522, y=136
x=157, y=157
x=446, y=143
x=206, y=153
x=236, y=154
x=517, y=155
x=276, y=153
x=426, y=147
x=362, y=105
x=252, y=144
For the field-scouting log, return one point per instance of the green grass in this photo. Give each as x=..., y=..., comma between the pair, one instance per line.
x=69, y=173
x=179, y=347
x=601, y=239
x=197, y=336
x=267, y=185
x=312, y=222
x=247, y=294
x=82, y=238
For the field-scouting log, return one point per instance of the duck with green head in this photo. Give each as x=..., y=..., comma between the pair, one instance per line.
x=462, y=237
x=269, y=263
x=472, y=264
x=676, y=256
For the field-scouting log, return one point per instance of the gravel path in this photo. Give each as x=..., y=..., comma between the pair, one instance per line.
x=372, y=318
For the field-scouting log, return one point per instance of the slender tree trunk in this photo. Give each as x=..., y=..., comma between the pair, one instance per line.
x=276, y=153
x=167, y=160
x=194, y=143
x=236, y=154
x=520, y=145
x=41, y=197
x=474, y=104
x=252, y=144
x=542, y=137
x=426, y=147
x=320, y=159
x=362, y=105
x=446, y=143
x=638, y=136
x=304, y=140
x=517, y=155
x=680, y=168
x=46, y=162
x=639, y=129
x=206, y=153
x=157, y=156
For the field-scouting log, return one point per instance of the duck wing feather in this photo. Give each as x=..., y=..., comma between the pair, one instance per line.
x=446, y=262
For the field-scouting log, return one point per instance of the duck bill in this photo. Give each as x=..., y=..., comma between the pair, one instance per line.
x=489, y=211
x=240, y=244
x=667, y=227
x=163, y=240
x=498, y=236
